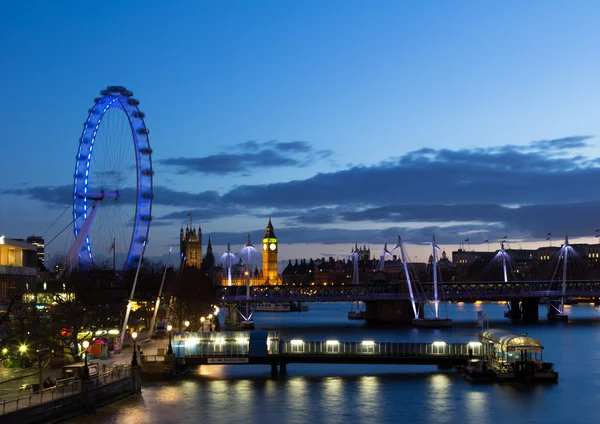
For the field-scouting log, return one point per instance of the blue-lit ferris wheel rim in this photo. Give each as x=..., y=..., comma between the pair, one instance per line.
x=120, y=98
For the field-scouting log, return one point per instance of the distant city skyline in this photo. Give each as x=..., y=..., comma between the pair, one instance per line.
x=344, y=123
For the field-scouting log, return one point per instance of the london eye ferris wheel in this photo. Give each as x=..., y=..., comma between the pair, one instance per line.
x=112, y=190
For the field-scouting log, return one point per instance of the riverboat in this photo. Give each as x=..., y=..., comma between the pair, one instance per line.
x=477, y=371
x=515, y=357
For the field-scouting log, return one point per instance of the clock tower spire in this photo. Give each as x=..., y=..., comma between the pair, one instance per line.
x=270, y=248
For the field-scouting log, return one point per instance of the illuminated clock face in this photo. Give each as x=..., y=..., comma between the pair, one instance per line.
x=273, y=246
x=264, y=246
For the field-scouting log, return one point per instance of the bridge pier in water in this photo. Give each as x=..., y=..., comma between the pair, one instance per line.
x=397, y=311
x=554, y=311
x=530, y=309
x=514, y=313
x=232, y=320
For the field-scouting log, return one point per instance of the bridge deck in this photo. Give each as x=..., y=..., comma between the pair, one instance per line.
x=398, y=291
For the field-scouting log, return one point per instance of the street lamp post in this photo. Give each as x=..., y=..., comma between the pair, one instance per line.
x=202, y=323
x=187, y=324
x=170, y=349
x=134, y=361
x=86, y=371
x=210, y=328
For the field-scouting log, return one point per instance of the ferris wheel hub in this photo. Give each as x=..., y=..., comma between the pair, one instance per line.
x=101, y=195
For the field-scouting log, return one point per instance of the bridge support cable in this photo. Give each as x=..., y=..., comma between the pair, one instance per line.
x=157, y=304
x=404, y=256
x=564, y=275
x=435, y=285
x=249, y=250
x=137, y=273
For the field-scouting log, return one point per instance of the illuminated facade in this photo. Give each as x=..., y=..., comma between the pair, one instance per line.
x=270, y=248
x=190, y=247
x=18, y=266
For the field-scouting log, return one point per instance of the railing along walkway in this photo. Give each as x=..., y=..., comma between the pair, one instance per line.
x=64, y=388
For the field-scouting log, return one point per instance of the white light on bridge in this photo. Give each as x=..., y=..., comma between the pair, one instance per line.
x=241, y=340
x=474, y=344
x=296, y=342
x=332, y=342
x=368, y=342
x=439, y=344
x=220, y=340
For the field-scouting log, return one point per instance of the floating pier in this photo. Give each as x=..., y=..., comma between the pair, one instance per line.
x=509, y=356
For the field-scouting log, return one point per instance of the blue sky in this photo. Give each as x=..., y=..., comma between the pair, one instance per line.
x=345, y=121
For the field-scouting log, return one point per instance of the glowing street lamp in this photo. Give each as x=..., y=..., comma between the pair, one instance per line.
x=134, y=361
x=170, y=349
x=202, y=323
x=210, y=317
x=187, y=324
x=4, y=351
x=86, y=372
x=23, y=348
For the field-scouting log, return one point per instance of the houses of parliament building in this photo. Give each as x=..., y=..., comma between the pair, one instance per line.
x=190, y=248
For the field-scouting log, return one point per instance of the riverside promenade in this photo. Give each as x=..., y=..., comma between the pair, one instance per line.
x=11, y=380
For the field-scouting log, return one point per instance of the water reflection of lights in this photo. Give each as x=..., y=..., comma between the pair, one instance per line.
x=476, y=405
x=243, y=392
x=333, y=397
x=219, y=391
x=369, y=398
x=211, y=370
x=298, y=391
x=440, y=397
x=440, y=382
x=169, y=395
x=133, y=415
x=271, y=388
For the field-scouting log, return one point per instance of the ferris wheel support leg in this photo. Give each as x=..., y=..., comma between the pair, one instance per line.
x=73, y=255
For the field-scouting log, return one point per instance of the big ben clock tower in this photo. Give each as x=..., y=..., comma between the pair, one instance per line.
x=270, y=248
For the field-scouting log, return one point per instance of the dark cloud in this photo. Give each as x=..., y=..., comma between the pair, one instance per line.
x=63, y=195
x=59, y=195
x=520, y=191
x=501, y=175
x=444, y=235
x=573, y=142
x=248, y=156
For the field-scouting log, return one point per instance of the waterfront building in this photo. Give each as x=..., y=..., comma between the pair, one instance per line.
x=18, y=267
x=267, y=275
x=340, y=271
x=526, y=264
x=38, y=242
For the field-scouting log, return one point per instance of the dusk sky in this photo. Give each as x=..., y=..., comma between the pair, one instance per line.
x=344, y=121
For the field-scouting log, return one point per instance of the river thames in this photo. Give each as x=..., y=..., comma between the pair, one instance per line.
x=381, y=393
